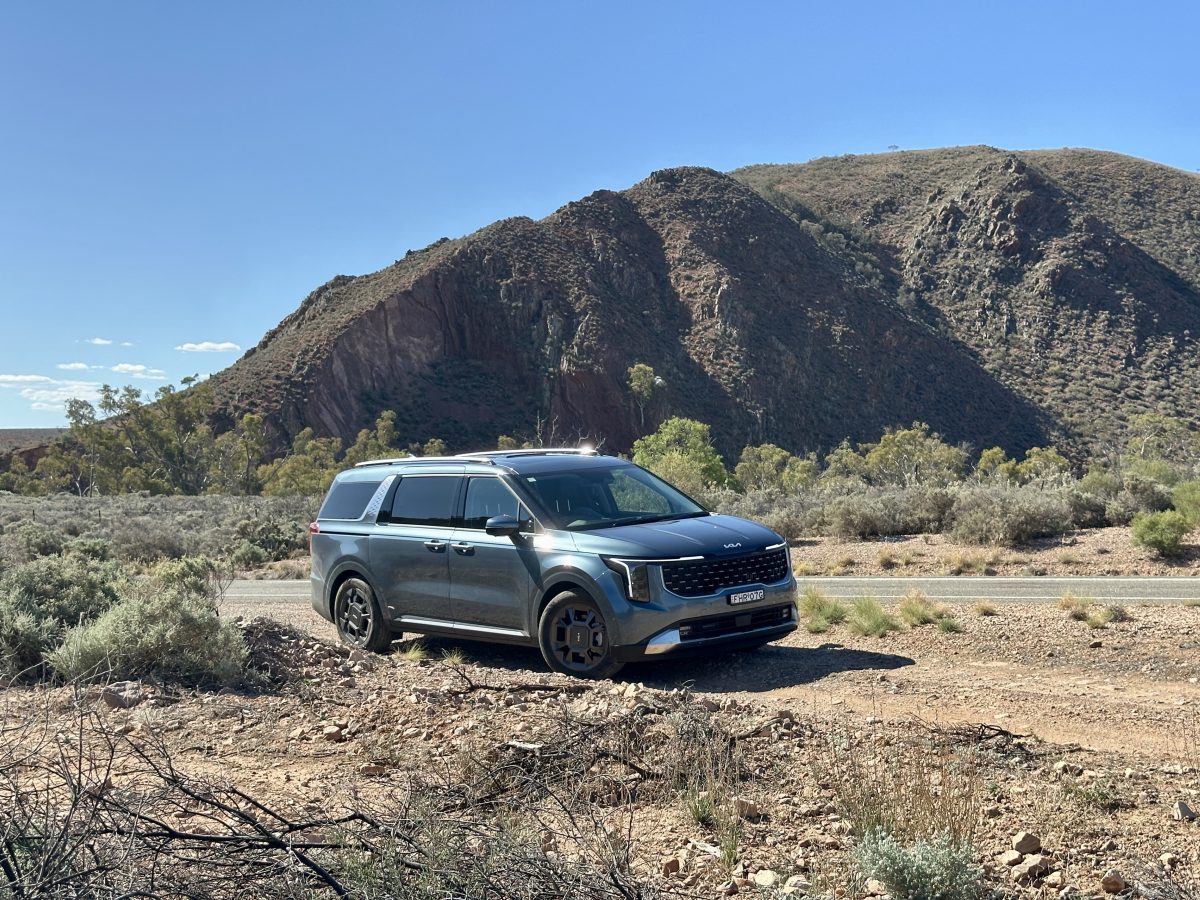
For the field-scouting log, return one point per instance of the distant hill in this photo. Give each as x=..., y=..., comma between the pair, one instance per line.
x=22, y=438
x=1072, y=276
x=1005, y=298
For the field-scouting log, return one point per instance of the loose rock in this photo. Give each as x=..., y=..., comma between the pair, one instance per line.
x=1026, y=843
x=1113, y=882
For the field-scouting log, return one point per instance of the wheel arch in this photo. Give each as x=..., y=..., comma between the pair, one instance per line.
x=341, y=576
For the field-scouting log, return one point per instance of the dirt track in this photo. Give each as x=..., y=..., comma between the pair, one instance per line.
x=1028, y=669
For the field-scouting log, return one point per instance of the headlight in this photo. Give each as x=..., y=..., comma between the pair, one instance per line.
x=635, y=573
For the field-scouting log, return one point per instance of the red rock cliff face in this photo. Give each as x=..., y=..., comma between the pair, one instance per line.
x=755, y=326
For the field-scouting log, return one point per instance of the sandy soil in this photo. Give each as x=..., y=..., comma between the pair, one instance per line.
x=1097, y=551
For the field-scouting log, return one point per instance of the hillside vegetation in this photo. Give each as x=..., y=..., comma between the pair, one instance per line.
x=1072, y=276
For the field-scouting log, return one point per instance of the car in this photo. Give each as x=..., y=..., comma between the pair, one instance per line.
x=590, y=558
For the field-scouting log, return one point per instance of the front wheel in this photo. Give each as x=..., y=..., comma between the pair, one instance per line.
x=359, y=621
x=573, y=638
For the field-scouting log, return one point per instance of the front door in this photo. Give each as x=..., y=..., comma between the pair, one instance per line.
x=492, y=579
x=410, y=549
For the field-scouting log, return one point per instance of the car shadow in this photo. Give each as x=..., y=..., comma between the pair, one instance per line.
x=770, y=667
x=767, y=668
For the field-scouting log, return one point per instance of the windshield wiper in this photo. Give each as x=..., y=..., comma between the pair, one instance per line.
x=646, y=520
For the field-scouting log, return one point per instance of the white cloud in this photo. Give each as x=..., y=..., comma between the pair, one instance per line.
x=73, y=367
x=12, y=380
x=209, y=347
x=52, y=395
x=137, y=370
x=126, y=343
x=99, y=342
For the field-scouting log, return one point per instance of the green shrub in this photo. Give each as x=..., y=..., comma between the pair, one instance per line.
x=41, y=599
x=820, y=611
x=935, y=869
x=887, y=511
x=247, y=556
x=1186, y=500
x=30, y=540
x=276, y=538
x=1162, y=532
x=916, y=609
x=92, y=548
x=169, y=633
x=1003, y=515
x=868, y=618
x=192, y=574
x=681, y=452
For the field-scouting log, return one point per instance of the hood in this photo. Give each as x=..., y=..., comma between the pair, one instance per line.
x=703, y=536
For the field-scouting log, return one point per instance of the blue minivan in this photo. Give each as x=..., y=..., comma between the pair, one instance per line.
x=590, y=558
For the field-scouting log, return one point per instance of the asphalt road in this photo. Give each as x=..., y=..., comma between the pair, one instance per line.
x=246, y=596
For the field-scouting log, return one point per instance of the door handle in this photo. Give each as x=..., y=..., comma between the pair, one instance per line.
x=463, y=547
x=435, y=546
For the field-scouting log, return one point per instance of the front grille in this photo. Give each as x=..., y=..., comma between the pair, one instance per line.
x=700, y=579
x=734, y=623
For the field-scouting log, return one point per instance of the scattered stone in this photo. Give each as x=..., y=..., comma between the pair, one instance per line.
x=1181, y=812
x=671, y=866
x=333, y=733
x=1113, y=882
x=875, y=888
x=729, y=888
x=372, y=770
x=1096, y=644
x=122, y=694
x=1168, y=860
x=1010, y=858
x=797, y=884
x=746, y=808
x=1031, y=869
x=1054, y=880
x=1025, y=843
x=766, y=878
x=991, y=811
x=1062, y=767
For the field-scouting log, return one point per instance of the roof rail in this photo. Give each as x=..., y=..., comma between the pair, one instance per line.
x=544, y=451
x=412, y=459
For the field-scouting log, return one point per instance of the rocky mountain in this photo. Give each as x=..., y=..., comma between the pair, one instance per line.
x=1005, y=298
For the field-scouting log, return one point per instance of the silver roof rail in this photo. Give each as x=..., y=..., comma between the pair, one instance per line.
x=544, y=451
x=412, y=459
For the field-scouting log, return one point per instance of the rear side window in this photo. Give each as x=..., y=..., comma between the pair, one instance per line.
x=424, y=500
x=487, y=497
x=348, y=499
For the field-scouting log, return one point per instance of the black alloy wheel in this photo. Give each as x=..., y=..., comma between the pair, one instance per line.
x=574, y=638
x=359, y=621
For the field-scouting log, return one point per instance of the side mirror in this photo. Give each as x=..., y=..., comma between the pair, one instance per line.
x=502, y=526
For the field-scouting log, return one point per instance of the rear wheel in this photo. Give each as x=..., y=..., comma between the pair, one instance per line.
x=573, y=637
x=357, y=617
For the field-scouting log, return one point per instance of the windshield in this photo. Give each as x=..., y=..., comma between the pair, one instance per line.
x=606, y=497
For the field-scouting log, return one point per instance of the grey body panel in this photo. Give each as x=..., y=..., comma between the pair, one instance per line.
x=494, y=588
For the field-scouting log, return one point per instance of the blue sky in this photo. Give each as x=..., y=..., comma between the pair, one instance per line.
x=184, y=174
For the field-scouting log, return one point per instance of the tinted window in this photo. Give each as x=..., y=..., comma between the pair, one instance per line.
x=598, y=497
x=487, y=497
x=424, y=500
x=347, y=499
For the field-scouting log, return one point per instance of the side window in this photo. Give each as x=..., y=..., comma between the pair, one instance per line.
x=424, y=500
x=348, y=499
x=487, y=497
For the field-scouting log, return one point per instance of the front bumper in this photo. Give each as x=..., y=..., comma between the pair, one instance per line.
x=727, y=631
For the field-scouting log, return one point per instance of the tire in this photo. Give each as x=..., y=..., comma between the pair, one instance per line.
x=573, y=637
x=358, y=619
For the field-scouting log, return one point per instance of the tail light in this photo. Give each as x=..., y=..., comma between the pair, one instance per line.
x=313, y=528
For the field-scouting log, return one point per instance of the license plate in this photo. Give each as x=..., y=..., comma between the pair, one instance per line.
x=746, y=597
